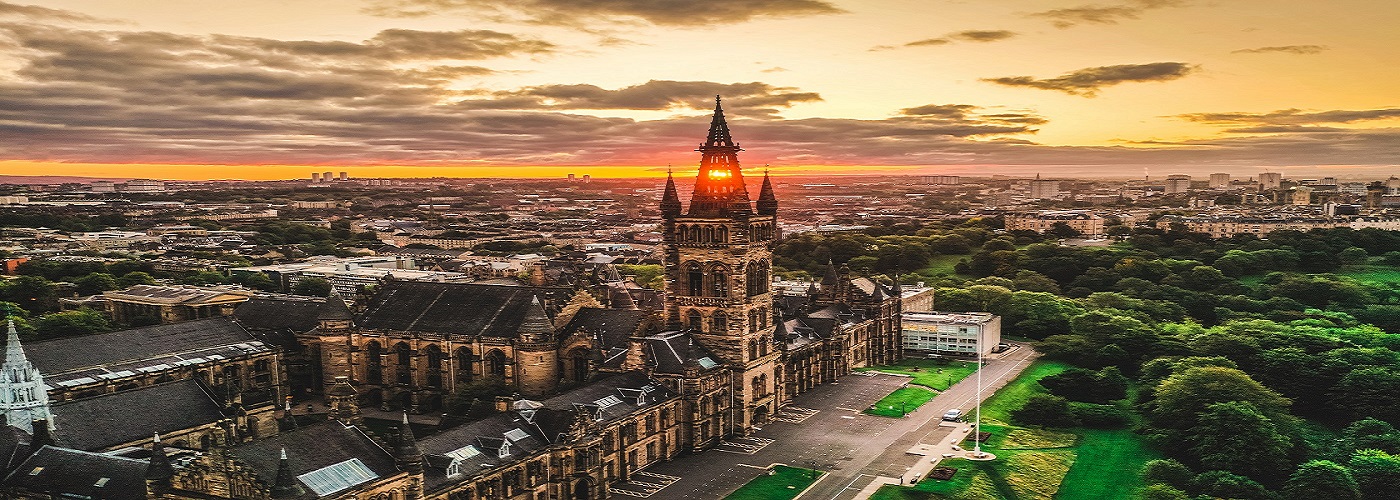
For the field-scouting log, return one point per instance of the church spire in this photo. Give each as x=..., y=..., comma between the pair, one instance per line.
x=19, y=379
x=670, y=200
x=767, y=201
x=719, y=188
x=158, y=470
x=286, y=485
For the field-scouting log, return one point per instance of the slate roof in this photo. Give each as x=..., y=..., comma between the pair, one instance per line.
x=104, y=421
x=612, y=327
x=469, y=309
x=66, y=473
x=314, y=447
x=68, y=361
x=274, y=318
x=670, y=352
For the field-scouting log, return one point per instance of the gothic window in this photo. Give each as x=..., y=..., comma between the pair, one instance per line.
x=374, y=363
x=695, y=321
x=722, y=235
x=763, y=346
x=404, y=357
x=753, y=349
x=464, y=365
x=694, y=280
x=720, y=322
x=496, y=363
x=434, y=366
x=753, y=320
x=719, y=283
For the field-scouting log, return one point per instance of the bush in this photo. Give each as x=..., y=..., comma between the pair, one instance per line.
x=1046, y=410
x=1169, y=472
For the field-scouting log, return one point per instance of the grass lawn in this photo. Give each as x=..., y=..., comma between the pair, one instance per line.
x=784, y=484
x=1064, y=464
x=934, y=374
x=998, y=407
x=941, y=265
x=901, y=402
x=1372, y=273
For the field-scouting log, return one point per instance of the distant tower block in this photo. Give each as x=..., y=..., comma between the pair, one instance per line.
x=345, y=176
x=587, y=178
x=328, y=176
x=571, y=178
x=315, y=177
x=1219, y=181
x=1270, y=180
x=1178, y=183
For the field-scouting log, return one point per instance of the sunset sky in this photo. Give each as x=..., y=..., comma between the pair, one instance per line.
x=267, y=89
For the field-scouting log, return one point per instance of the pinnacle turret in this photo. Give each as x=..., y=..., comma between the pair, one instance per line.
x=159, y=470
x=286, y=485
x=767, y=201
x=536, y=322
x=670, y=200
x=27, y=398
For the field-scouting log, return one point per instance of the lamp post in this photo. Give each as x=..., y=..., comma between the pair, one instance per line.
x=977, y=435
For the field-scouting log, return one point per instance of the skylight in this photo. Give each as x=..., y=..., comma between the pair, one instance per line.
x=337, y=477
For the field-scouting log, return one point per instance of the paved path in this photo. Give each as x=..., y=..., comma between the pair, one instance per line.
x=852, y=447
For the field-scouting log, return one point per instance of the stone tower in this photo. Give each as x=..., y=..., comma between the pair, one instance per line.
x=536, y=352
x=718, y=266
x=23, y=398
x=334, y=324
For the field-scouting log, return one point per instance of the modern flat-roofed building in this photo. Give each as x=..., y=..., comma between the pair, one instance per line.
x=958, y=334
x=1219, y=181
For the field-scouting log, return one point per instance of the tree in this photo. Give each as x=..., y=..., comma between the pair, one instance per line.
x=1062, y=230
x=70, y=323
x=1044, y=409
x=34, y=293
x=1169, y=472
x=1223, y=484
x=1162, y=492
x=204, y=278
x=1322, y=479
x=1377, y=474
x=1369, y=434
x=135, y=278
x=1372, y=391
x=95, y=283
x=1183, y=396
x=1353, y=256
x=256, y=281
x=1235, y=436
x=314, y=287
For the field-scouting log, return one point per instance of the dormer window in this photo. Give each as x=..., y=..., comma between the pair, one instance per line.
x=455, y=468
x=504, y=451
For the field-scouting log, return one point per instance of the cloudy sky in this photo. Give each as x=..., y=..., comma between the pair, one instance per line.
x=280, y=88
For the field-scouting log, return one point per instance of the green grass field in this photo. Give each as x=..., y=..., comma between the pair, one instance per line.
x=998, y=407
x=937, y=375
x=941, y=265
x=784, y=484
x=1065, y=464
x=901, y=402
x=1372, y=273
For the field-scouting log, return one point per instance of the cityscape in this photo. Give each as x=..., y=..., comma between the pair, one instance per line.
x=475, y=249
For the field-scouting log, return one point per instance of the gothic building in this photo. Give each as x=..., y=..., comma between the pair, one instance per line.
x=607, y=381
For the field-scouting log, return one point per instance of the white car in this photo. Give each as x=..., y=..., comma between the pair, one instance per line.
x=953, y=415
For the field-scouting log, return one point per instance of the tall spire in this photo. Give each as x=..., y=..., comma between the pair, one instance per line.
x=670, y=200
x=406, y=452
x=719, y=188
x=28, y=398
x=767, y=201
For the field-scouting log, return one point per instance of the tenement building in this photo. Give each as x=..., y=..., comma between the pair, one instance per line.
x=602, y=385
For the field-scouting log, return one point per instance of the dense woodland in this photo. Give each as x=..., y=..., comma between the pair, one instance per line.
x=1262, y=368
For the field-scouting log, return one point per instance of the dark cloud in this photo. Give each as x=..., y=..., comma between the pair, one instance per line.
x=1289, y=49
x=579, y=12
x=743, y=98
x=44, y=13
x=1103, y=14
x=1294, y=116
x=973, y=114
x=1088, y=81
x=964, y=36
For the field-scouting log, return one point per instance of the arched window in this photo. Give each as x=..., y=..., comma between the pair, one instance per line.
x=464, y=365
x=753, y=320
x=763, y=346
x=374, y=363
x=434, y=354
x=694, y=320
x=722, y=235
x=719, y=282
x=694, y=279
x=496, y=363
x=720, y=321
x=753, y=349
x=404, y=361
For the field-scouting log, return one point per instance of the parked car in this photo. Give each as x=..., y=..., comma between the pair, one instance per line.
x=953, y=415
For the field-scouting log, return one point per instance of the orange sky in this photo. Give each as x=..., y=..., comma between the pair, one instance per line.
x=195, y=89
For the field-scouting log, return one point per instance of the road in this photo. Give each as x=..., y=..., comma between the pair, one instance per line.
x=852, y=447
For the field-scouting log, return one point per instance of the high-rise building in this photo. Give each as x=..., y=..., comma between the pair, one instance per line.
x=1270, y=180
x=345, y=176
x=1044, y=189
x=571, y=178
x=1178, y=183
x=315, y=177
x=1219, y=181
x=587, y=178
x=943, y=180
